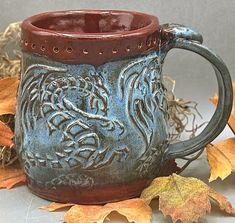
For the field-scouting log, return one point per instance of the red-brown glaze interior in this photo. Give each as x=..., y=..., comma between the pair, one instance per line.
x=90, y=36
x=86, y=22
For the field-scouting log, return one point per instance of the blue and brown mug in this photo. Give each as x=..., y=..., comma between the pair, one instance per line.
x=92, y=115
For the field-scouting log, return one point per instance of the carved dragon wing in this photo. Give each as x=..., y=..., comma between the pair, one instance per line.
x=145, y=95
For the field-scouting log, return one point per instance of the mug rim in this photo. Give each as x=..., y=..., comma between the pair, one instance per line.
x=29, y=23
x=78, y=47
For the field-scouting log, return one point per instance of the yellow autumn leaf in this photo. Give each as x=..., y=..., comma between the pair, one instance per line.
x=184, y=198
x=221, y=158
x=135, y=210
x=8, y=88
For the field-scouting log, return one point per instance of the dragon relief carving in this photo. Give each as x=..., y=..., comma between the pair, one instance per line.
x=141, y=85
x=45, y=93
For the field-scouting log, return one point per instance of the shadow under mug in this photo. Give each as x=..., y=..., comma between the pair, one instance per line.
x=92, y=117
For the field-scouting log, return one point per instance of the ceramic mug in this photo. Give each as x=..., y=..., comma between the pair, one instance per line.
x=92, y=115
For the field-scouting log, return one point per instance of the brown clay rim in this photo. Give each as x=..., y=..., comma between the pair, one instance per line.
x=89, y=36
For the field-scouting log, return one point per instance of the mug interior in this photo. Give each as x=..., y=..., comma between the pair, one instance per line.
x=92, y=22
x=89, y=36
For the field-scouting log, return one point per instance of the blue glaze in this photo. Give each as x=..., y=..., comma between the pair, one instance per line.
x=77, y=119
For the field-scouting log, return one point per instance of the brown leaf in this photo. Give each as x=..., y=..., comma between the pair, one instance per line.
x=135, y=210
x=8, y=88
x=231, y=121
x=6, y=135
x=56, y=206
x=11, y=176
x=185, y=199
x=221, y=158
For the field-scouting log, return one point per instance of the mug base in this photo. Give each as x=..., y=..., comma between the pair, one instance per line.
x=97, y=195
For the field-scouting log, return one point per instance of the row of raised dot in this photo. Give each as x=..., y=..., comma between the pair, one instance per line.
x=43, y=48
x=85, y=51
x=69, y=49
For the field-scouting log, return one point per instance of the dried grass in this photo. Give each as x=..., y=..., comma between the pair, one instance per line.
x=183, y=114
x=10, y=56
x=10, y=65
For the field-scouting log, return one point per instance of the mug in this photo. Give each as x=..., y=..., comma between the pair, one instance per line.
x=92, y=117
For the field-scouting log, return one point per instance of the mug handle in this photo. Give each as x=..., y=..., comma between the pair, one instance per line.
x=178, y=36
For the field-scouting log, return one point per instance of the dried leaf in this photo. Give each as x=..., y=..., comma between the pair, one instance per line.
x=221, y=158
x=135, y=210
x=231, y=121
x=56, y=206
x=8, y=88
x=11, y=176
x=6, y=135
x=185, y=199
